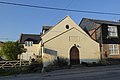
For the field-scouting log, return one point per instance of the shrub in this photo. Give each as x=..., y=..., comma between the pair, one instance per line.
x=60, y=63
x=113, y=61
x=103, y=62
x=50, y=67
x=33, y=67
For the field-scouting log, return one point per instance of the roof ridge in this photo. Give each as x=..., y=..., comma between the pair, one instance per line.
x=30, y=34
x=100, y=20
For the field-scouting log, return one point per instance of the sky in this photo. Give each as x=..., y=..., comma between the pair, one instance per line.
x=15, y=20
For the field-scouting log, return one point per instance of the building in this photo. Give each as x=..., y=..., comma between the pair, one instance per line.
x=107, y=33
x=66, y=39
x=31, y=43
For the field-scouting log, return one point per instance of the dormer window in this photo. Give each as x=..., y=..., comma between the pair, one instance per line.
x=112, y=31
x=28, y=43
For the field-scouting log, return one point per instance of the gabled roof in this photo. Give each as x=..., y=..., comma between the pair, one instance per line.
x=54, y=26
x=103, y=21
x=63, y=33
x=30, y=37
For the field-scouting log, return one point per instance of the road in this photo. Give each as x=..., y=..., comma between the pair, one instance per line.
x=83, y=73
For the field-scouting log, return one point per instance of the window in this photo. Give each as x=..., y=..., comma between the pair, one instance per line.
x=28, y=43
x=114, y=49
x=67, y=26
x=112, y=31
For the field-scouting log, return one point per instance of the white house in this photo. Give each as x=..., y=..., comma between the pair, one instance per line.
x=66, y=39
x=31, y=43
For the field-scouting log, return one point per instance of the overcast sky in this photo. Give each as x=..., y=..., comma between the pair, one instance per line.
x=15, y=20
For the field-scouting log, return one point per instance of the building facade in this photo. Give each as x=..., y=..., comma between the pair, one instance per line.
x=31, y=43
x=107, y=33
x=66, y=39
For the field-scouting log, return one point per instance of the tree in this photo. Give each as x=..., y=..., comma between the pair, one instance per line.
x=10, y=50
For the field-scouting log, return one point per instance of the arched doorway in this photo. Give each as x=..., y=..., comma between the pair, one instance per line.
x=74, y=56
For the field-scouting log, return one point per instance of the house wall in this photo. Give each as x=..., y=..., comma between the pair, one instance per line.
x=88, y=48
x=60, y=28
x=105, y=38
x=35, y=48
x=106, y=50
x=96, y=34
x=93, y=34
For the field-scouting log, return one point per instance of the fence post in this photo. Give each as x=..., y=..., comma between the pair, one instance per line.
x=20, y=61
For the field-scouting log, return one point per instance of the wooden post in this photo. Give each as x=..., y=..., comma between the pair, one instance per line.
x=20, y=61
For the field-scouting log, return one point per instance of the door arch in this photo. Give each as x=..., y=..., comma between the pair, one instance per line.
x=74, y=56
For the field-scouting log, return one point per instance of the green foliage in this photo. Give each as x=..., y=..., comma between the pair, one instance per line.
x=103, y=62
x=33, y=67
x=60, y=63
x=10, y=50
x=50, y=67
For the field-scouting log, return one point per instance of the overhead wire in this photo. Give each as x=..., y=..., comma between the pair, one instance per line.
x=70, y=2
x=59, y=9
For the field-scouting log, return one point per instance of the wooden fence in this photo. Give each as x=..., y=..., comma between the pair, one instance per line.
x=13, y=64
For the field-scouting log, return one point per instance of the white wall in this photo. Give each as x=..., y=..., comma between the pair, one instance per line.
x=35, y=48
x=88, y=50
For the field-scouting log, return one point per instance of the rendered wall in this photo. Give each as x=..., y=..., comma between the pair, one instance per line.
x=88, y=48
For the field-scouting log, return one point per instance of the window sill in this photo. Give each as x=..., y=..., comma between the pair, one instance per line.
x=112, y=37
x=114, y=54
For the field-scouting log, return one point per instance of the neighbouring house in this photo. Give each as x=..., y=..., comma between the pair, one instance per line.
x=31, y=43
x=66, y=39
x=107, y=33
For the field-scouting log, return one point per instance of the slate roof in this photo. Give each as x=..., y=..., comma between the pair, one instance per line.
x=30, y=37
x=46, y=27
x=90, y=24
x=104, y=21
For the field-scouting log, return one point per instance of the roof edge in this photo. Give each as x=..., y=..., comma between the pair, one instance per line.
x=54, y=25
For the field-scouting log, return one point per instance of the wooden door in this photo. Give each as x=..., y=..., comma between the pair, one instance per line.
x=74, y=56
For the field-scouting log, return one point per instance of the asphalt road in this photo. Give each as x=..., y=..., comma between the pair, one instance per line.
x=83, y=73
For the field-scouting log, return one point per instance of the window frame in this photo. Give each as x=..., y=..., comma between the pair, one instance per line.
x=28, y=43
x=112, y=31
x=114, y=49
